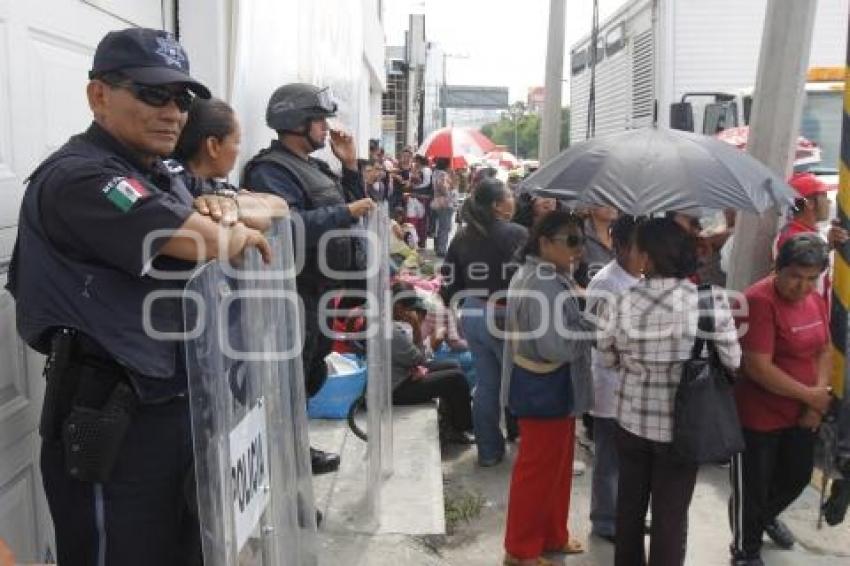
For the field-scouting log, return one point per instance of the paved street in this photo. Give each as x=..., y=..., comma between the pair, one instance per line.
x=479, y=541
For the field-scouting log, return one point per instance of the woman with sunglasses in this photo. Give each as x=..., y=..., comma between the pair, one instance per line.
x=548, y=347
x=207, y=150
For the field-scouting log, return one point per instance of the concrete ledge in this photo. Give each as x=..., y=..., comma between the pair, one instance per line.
x=412, y=497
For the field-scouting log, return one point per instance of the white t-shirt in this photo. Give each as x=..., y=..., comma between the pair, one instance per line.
x=426, y=178
x=606, y=381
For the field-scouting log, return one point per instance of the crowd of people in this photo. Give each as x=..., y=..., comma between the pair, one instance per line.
x=634, y=287
x=564, y=313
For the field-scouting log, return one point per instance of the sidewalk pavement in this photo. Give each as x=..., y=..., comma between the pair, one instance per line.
x=478, y=542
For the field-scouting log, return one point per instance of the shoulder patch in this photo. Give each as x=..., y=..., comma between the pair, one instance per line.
x=123, y=192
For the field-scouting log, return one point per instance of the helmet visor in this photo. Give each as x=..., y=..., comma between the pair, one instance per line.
x=319, y=103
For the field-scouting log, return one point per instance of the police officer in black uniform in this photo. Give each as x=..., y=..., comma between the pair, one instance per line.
x=116, y=455
x=321, y=200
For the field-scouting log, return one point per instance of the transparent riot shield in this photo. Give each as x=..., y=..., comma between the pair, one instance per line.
x=379, y=385
x=249, y=422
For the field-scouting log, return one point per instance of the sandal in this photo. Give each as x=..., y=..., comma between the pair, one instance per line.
x=514, y=561
x=573, y=546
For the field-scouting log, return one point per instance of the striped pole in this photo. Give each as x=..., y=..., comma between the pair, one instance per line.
x=841, y=268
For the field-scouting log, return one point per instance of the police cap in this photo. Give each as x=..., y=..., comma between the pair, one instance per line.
x=147, y=56
x=293, y=104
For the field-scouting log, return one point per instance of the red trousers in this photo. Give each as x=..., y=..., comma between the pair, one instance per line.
x=540, y=487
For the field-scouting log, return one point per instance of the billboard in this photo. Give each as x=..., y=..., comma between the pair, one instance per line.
x=494, y=97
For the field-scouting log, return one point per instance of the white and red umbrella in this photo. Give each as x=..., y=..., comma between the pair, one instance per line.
x=456, y=144
x=806, y=152
x=502, y=158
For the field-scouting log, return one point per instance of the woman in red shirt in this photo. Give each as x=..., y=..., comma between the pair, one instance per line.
x=782, y=395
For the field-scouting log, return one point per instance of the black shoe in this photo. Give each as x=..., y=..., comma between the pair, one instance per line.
x=747, y=561
x=835, y=508
x=323, y=462
x=610, y=538
x=319, y=518
x=454, y=436
x=780, y=534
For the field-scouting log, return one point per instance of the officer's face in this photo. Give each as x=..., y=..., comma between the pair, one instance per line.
x=318, y=132
x=147, y=130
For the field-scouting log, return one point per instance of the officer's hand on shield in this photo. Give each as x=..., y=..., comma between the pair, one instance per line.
x=257, y=210
x=361, y=208
x=222, y=209
x=342, y=144
x=241, y=238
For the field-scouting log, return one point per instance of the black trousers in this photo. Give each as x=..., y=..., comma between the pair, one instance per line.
x=649, y=471
x=141, y=516
x=317, y=345
x=766, y=479
x=445, y=380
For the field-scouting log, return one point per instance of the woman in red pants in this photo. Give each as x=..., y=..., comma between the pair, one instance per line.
x=550, y=383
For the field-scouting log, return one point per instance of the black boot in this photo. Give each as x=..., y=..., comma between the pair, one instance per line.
x=835, y=507
x=323, y=462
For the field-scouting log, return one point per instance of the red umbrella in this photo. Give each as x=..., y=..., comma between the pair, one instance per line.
x=504, y=159
x=807, y=151
x=455, y=144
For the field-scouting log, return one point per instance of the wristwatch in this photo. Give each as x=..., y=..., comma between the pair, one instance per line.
x=227, y=193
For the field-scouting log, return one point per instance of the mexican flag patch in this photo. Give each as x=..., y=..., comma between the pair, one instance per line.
x=123, y=192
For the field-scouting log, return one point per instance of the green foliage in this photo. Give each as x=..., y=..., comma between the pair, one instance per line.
x=461, y=507
x=527, y=133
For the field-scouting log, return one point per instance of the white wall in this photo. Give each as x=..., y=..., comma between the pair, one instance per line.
x=245, y=49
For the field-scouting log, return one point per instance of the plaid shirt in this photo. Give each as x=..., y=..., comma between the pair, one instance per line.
x=648, y=337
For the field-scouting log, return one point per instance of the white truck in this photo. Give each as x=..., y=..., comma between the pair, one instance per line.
x=693, y=65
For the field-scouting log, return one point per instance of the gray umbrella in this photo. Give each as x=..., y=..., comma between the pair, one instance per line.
x=652, y=170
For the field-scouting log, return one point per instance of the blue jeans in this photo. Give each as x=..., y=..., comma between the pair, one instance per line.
x=444, y=228
x=606, y=468
x=487, y=356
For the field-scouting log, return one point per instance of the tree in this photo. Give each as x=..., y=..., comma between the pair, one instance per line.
x=527, y=132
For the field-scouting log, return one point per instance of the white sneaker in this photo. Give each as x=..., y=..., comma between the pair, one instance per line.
x=579, y=468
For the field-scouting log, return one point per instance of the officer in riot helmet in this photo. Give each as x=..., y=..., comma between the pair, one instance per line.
x=322, y=201
x=97, y=235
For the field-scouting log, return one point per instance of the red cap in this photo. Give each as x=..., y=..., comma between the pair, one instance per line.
x=807, y=184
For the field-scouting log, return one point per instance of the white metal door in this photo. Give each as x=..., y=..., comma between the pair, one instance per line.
x=46, y=47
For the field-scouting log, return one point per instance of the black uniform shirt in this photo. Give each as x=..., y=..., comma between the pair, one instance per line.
x=101, y=211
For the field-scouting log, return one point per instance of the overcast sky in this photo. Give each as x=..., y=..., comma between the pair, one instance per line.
x=505, y=40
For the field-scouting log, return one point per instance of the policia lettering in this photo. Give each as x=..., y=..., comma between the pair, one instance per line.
x=248, y=474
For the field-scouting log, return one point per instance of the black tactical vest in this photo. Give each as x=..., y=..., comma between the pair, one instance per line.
x=319, y=187
x=54, y=290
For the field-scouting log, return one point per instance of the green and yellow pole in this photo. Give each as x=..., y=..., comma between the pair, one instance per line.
x=841, y=264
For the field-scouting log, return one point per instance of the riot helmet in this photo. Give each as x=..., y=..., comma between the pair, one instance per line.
x=292, y=105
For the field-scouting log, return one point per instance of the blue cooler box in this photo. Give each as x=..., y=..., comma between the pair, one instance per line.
x=338, y=393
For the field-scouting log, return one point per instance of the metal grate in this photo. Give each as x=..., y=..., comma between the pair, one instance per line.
x=643, y=75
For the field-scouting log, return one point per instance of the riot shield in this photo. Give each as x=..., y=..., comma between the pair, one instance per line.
x=249, y=422
x=379, y=385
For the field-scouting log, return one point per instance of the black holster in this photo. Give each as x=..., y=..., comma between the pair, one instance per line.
x=62, y=381
x=92, y=438
x=88, y=405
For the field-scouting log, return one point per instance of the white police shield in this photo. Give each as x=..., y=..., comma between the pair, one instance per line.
x=249, y=422
x=379, y=385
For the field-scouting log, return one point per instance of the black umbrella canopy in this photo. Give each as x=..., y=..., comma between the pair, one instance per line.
x=652, y=170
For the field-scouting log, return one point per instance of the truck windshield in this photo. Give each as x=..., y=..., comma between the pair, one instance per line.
x=822, y=113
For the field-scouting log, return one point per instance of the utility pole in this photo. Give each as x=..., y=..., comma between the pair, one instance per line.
x=550, y=124
x=443, y=93
x=777, y=107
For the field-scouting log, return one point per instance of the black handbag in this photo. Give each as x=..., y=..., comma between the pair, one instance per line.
x=706, y=428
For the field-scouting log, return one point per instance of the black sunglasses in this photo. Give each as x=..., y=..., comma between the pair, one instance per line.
x=572, y=240
x=158, y=96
